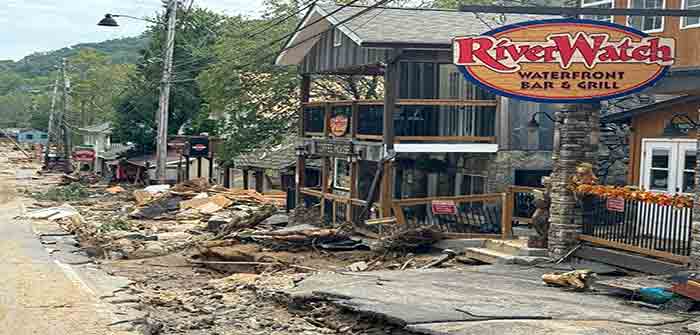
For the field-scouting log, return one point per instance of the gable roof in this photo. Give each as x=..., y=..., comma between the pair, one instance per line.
x=669, y=101
x=385, y=27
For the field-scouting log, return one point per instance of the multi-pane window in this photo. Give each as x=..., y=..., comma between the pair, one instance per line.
x=597, y=4
x=687, y=22
x=646, y=23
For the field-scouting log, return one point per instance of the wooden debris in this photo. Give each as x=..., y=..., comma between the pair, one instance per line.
x=409, y=239
x=208, y=205
x=447, y=255
x=142, y=197
x=115, y=189
x=578, y=279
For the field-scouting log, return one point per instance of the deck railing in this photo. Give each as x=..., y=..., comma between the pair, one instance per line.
x=416, y=120
x=479, y=215
x=641, y=227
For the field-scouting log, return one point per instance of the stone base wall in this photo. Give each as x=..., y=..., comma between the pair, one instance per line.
x=501, y=169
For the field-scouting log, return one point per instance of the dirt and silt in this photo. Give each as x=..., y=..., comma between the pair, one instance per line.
x=214, y=268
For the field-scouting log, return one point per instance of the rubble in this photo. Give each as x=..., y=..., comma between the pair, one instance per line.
x=578, y=279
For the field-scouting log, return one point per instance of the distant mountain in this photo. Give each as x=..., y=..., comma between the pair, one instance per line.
x=121, y=51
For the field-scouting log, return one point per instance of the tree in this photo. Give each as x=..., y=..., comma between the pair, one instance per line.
x=195, y=34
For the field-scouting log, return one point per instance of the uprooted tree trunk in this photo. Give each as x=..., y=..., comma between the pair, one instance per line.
x=239, y=223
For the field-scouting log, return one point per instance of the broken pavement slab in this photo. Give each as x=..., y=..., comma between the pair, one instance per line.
x=431, y=298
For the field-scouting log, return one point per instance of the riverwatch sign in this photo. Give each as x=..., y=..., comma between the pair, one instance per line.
x=564, y=60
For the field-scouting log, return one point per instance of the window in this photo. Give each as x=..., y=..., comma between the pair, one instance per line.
x=669, y=165
x=690, y=22
x=473, y=184
x=597, y=4
x=341, y=174
x=646, y=23
x=43, y=136
x=337, y=37
x=29, y=136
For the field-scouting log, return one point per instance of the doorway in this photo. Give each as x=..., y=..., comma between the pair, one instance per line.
x=668, y=165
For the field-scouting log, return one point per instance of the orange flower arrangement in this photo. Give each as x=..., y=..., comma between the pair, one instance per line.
x=586, y=183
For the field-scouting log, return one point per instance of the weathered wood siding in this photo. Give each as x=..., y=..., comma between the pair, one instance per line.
x=651, y=125
x=687, y=51
x=325, y=58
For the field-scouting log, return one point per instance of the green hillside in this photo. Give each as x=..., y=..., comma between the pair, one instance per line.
x=120, y=51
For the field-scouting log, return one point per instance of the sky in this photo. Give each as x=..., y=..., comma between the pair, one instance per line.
x=30, y=26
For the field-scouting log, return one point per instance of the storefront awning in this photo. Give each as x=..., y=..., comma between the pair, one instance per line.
x=446, y=147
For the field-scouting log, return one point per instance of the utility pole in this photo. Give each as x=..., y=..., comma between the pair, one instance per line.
x=64, y=111
x=51, y=121
x=162, y=145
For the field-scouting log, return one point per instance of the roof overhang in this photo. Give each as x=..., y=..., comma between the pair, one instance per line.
x=680, y=80
x=629, y=114
x=316, y=21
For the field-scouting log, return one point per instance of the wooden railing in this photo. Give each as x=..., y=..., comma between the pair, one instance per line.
x=416, y=120
x=476, y=216
x=521, y=202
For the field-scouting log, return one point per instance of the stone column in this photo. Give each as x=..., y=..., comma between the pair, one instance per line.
x=576, y=141
x=695, y=227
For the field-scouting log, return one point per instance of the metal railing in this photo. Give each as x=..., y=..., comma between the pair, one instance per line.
x=641, y=227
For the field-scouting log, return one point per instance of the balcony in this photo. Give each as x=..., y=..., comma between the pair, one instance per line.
x=416, y=120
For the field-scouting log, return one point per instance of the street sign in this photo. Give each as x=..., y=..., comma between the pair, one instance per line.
x=84, y=155
x=332, y=148
x=564, y=60
x=444, y=207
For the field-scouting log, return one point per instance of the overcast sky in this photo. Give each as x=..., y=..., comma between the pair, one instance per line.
x=42, y=25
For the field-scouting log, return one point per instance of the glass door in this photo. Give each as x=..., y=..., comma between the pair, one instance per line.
x=668, y=165
x=658, y=167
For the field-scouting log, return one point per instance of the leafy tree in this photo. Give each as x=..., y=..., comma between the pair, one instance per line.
x=136, y=110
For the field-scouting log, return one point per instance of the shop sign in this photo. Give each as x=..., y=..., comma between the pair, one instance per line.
x=332, y=148
x=199, y=147
x=444, y=207
x=84, y=155
x=564, y=60
x=339, y=125
x=615, y=204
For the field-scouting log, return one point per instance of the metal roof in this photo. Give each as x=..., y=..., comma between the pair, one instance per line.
x=385, y=27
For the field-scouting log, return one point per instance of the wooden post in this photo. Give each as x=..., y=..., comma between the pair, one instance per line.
x=391, y=92
x=386, y=189
x=245, y=179
x=324, y=184
x=327, y=110
x=354, y=193
x=300, y=173
x=507, y=215
x=179, y=169
x=227, y=176
x=187, y=167
x=211, y=167
x=354, y=119
x=199, y=167
x=304, y=95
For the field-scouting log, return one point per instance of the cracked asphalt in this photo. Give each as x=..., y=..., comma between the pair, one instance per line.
x=40, y=294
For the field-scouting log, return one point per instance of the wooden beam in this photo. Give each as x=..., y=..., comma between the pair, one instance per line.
x=299, y=180
x=492, y=197
x=626, y=247
x=523, y=189
x=489, y=139
x=353, y=187
x=369, y=137
x=324, y=184
x=245, y=179
x=391, y=94
x=446, y=102
x=327, y=109
x=630, y=261
x=507, y=215
x=304, y=94
x=398, y=213
x=468, y=235
x=354, y=119
x=312, y=133
x=386, y=189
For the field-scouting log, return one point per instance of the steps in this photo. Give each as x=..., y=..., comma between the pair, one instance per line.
x=506, y=252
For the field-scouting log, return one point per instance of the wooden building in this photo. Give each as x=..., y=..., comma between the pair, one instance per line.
x=433, y=136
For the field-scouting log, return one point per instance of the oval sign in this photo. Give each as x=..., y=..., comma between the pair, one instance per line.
x=564, y=60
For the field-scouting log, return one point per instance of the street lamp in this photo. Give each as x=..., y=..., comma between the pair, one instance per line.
x=162, y=146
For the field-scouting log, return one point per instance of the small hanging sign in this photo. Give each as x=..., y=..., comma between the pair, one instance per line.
x=339, y=125
x=616, y=204
x=564, y=60
x=444, y=207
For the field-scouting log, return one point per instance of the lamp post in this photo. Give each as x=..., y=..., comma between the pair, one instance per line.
x=163, y=102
